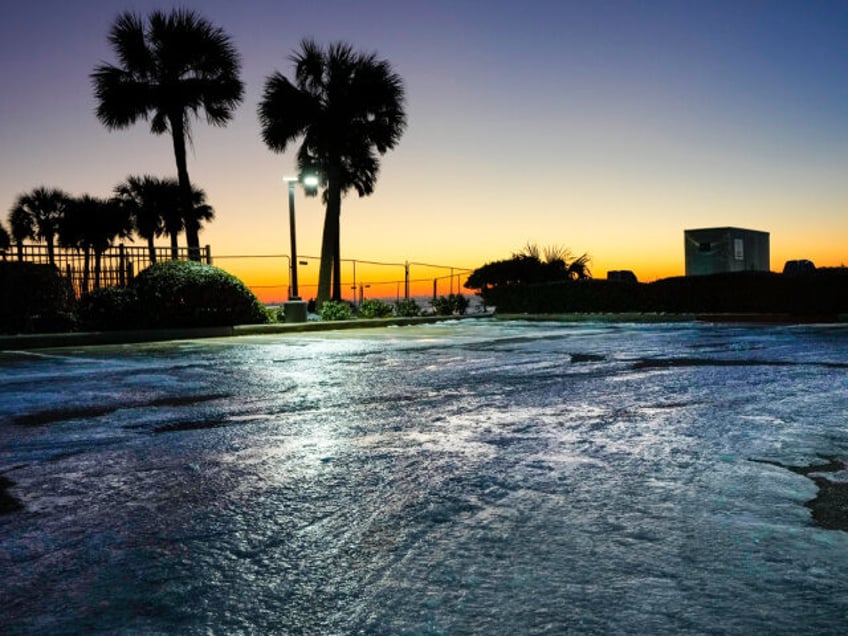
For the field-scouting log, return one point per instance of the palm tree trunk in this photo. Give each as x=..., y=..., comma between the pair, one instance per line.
x=337, y=259
x=336, y=198
x=178, y=134
x=151, y=249
x=329, y=271
x=325, y=269
x=51, y=256
x=20, y=245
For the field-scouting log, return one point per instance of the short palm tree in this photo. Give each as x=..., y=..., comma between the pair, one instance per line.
x=156, y=208
x=44, y=208
x=171, y=67
x=73, y=233
x=5, y=240
x=200, y=212
x=349, y=108
x=22, y=228
x=143, y=197
x=93, y=224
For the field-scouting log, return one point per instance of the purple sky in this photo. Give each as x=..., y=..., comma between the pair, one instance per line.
x=607, y=127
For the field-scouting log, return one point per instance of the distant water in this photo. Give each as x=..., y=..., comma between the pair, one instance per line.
x=468, y=477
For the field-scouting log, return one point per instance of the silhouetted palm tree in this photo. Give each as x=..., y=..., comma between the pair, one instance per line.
x=146, y=197
x=93, y=224
x=5, y=240
x=45, y=208
x=578, y=269
x=170, y=68
x=199, y=212
x=349, y=108
x=558, y=260
x=73, y=233
x=143, y=198
x=22, y=228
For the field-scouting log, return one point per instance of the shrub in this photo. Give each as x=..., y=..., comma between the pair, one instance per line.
x=407, y=308
x=108, y=308
x=191, y=294
x=275, y=314
x=452, y=305
x=335, y=310
x=34, y=298
x=374, y=308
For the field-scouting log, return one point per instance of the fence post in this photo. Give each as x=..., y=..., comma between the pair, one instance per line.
x=122, y=278
x=70, y=276
x=208, y=254
x=406, y=280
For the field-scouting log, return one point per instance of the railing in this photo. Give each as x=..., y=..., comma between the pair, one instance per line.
x=118, y=264
x=361, y=278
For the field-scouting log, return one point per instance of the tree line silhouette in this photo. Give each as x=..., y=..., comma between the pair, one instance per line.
x=148, y=206
x=347, y=107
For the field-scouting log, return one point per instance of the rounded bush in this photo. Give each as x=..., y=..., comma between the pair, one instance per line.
x=374, y=308
x=191, y=294
x=452, y=305
x=407, y=308
x=335, y=310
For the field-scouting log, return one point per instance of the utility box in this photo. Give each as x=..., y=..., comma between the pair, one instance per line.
x=717, y=250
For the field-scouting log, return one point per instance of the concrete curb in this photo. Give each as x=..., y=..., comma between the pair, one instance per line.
x=93, y=338
x=85, y=339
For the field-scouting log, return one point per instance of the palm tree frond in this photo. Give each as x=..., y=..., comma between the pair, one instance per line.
x=285, y=111
x=122, y=99
x=127, y=38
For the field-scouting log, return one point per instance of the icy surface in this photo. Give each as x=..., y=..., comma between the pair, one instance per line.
x=467, y=477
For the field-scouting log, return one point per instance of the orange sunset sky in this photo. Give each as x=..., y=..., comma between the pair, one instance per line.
x=605, y=127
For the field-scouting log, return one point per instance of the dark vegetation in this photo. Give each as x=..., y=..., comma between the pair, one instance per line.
x=450, y=305
x=532, y=282
x=34, y=298
x=191, y=294
x=369, y=308
x=374, y=308
x=822, y=293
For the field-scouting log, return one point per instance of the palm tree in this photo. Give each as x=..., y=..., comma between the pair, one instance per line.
x=73, y=233
x=169, y=69
x=92, y=225
x=155, y=208
x=578, y=268
x=45, y=208
x=22, y=228
x=109, y=220
x=5, y=240
x=199, y=212
x=558, y=260
x=348, y=108
x=142, y=198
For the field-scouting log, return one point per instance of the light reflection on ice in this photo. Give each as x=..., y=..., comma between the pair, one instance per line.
x=463, y=477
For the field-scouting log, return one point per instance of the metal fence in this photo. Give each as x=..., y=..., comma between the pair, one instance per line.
x=360, y=278
x=118, y=264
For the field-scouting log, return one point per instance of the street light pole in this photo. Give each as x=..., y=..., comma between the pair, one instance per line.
x=295, y=308
x=293, y=236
